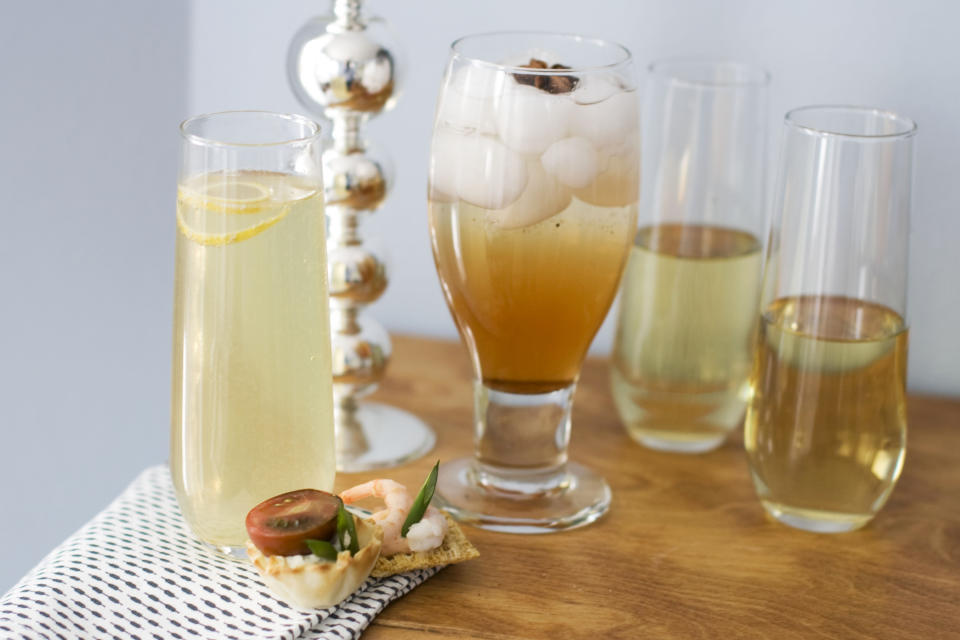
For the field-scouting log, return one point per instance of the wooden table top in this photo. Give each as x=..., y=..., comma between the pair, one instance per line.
x=686, y=550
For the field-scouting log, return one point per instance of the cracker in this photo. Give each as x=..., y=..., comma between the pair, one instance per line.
x=455, y=548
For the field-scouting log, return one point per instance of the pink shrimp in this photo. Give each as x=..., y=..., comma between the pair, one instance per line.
x=424, y=535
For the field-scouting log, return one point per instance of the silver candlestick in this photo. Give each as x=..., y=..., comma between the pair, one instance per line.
x=342, y=67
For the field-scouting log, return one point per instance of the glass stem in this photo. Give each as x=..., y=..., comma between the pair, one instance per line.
x=521, y=439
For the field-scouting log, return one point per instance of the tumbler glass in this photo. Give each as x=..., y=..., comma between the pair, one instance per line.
x=684, y=340
x=825, y=430
x=251, y=413
x=532, y=202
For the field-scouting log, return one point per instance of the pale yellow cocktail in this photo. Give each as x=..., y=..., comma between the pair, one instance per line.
x=252, y=401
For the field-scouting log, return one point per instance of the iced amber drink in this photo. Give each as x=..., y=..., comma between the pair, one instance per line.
x=544, y=291
x=534, y=179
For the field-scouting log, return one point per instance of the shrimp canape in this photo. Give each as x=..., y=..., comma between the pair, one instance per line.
x=415, y=535
x=313, y=553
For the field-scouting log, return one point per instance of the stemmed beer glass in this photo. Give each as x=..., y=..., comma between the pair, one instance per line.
x=533, y=187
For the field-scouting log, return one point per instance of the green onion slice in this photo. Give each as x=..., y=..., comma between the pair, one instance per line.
x=422, y=501
x=345, y=529
x=322, y=549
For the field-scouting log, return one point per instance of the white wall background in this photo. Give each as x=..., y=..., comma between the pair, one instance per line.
x=890, y=54
x=92, y=94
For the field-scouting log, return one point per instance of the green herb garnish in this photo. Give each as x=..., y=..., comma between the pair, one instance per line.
x=323, y=549
x=346, y=529
x=422, y=501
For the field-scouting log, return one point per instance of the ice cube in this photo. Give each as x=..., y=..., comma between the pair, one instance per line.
x=442, y=174
x=544, y=197
x=480, y=82
x=478, y=169
x=595, y=88
x=606, y=122
x=618, y=184
x=530, y=120
x=574, y=161
x=467, y=103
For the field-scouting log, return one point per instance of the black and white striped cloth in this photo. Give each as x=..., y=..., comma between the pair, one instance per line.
x=135, y=572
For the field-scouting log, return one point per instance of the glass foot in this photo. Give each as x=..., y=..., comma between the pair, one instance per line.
x=816, y=521
x=513, y=501
x=376, y=436
x=674, y=445
x=234, y=553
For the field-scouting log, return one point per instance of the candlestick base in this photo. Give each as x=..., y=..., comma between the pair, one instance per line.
x=374, y=436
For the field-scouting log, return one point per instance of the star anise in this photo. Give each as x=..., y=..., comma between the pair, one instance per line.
x=549, y=83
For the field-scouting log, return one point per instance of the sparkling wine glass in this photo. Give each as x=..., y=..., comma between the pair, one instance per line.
x=684, y=341
x=252, y=406
x=534, y=180
x=825, y=430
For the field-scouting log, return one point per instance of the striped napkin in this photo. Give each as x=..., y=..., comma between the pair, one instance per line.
x=135, y=571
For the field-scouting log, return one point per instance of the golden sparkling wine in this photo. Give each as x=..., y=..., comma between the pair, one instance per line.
x=684, y=340
x=825, y=429
x=252, y=400
x=530, y=298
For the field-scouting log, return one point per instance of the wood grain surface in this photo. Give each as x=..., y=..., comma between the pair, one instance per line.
x=686, y=550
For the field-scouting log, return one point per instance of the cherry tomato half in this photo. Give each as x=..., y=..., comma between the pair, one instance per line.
x=281, y=525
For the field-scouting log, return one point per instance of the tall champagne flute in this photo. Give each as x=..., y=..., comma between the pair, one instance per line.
x=684, y=339
x=825, y=430
x=534, y=179
x=251, y=412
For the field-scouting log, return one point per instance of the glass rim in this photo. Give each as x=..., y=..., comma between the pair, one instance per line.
x=760, y=76
x=790, y=119
x=457, y=52
x=193, y=138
